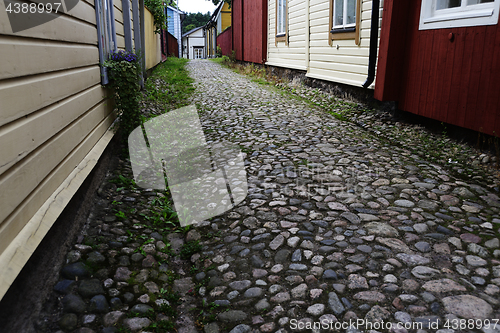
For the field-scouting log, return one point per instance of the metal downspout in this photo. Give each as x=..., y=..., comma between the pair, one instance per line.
x=372, y=60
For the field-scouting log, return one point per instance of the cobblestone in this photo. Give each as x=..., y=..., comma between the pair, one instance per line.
x=336, y=225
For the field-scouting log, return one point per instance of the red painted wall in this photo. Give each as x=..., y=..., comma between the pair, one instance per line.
x=454, y=81
x=237, y=26
x=249, y=24
x=173, y=47
x=225, y=41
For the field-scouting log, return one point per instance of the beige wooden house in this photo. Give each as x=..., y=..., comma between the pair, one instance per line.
x=55, y=120
x=329, y=39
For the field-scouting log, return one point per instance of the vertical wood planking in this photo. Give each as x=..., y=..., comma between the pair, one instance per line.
x=451, y=81
x=476, y=73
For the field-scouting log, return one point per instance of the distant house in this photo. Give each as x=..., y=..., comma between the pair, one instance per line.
x=193, y=44
x=220, y=21
x=174, y=20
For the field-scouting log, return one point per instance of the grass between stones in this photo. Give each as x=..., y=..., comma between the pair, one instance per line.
x=168, y=88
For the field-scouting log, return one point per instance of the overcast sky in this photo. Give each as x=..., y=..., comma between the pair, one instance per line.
x=195, y=6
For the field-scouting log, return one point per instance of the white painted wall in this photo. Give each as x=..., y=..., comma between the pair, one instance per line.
x=194, y=39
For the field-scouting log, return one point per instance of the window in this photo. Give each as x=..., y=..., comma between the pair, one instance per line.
x=344, y=19
x=281, y=21
x=437, y=14
x=198, y=53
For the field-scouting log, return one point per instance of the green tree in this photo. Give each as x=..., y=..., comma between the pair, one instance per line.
x=190, y=27
x=196, y=19
x=157, y=8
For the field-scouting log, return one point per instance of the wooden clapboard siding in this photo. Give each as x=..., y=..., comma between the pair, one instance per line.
x=18, y=250
x=54, y=114
x=21, y=56
x=344, y=61
x=152, y=41
x=292, y=53
x=36, y=166
x=51, y=88
x=64, y=28
x=19, y=138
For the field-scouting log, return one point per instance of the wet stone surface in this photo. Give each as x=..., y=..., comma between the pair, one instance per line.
x=337, y=225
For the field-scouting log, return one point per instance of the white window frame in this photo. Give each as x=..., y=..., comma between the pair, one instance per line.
x=281, y=18
x=344, y=26
x=195, y=52
x=463, y=16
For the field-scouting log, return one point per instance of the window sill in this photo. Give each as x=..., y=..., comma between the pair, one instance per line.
x=280, y=38
x=343, y=34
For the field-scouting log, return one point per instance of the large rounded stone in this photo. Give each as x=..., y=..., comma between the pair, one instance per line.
x=112, y=318
x=89, y=288
x=443, y=286
x=233, y=316
x=136, y=324
x=74, y=303
x=381, y=229
x=68, y=322
x=72, y=271
x=99, y=304
x=467, y=306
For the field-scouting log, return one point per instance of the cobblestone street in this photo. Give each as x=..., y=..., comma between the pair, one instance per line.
x=337, y=226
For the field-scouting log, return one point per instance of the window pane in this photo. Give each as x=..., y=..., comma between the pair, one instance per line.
x=444, y=4
x=475, y=2
x=339, y=13
x=278, y=23
x=283, y=14
x=351, y=12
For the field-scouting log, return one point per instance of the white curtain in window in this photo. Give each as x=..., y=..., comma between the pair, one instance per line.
x=344, y=14
x=281, y=24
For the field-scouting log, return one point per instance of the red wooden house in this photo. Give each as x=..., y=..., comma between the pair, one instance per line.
x=248, y=31
x=441, y=59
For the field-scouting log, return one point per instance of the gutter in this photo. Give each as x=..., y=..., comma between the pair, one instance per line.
x=372, y=60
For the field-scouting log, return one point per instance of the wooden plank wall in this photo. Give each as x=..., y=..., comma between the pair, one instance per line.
x=225, y=41
x=454, y=81
x=293, y=53
x=237, y=26
x=52, y=112
x=152, y=41
x=249, y=30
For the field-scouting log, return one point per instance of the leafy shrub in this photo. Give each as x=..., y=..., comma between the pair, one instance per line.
x=124, y=80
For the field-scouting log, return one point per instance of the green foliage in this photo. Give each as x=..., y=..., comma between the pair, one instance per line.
x=123, y=183
x=161, y=214
x=193, y=20
x=219, y=51
x=190, y=27
x=157, y=9
x=170, y=85
x=124, y=80
x=190, y=248
x=161, y=327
